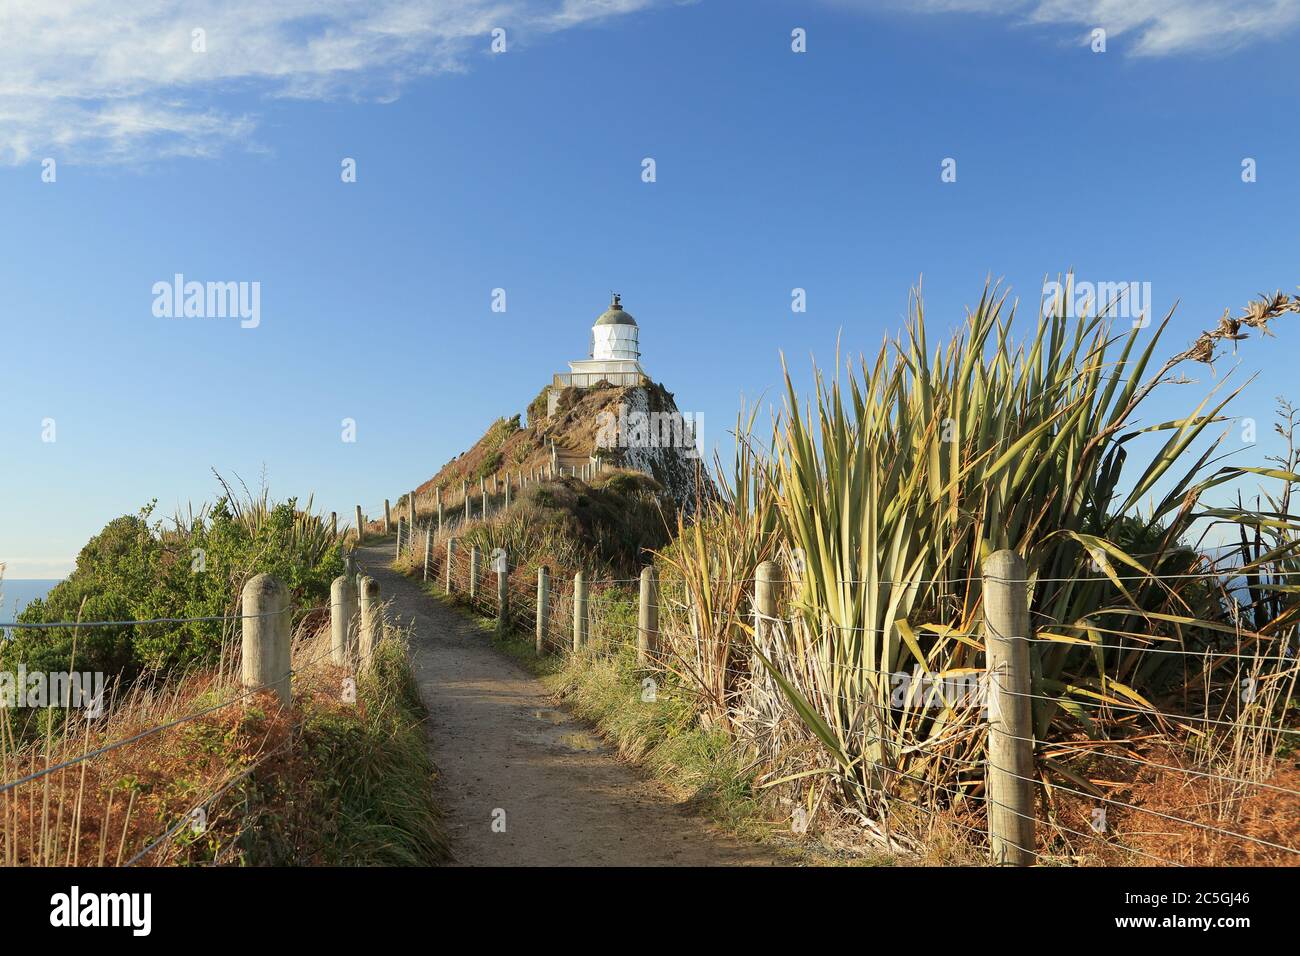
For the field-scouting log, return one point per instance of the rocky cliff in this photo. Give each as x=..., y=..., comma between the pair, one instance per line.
x=633, y=428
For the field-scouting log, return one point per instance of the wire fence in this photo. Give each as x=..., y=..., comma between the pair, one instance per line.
x=451, y=506
x=13, y=815
x=1210, y=773
x=1206, y=780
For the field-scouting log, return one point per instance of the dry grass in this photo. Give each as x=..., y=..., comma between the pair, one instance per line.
x=137, y=802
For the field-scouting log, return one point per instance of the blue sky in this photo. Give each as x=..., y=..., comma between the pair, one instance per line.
x=522, y=170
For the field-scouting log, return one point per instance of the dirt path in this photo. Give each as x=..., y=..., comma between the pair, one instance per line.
x=500, y=742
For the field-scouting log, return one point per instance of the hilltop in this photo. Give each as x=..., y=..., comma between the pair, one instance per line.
x=634, y=428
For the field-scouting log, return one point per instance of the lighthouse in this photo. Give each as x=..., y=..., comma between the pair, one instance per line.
x=615, y=337
x=614, y=357
x=615, y=347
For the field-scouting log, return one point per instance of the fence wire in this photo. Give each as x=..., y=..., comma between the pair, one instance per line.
x=620, y=637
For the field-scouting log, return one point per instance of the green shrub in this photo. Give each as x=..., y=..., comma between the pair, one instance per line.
x=568, y=525
x=135, y=569
x=537, y=407
x=490, y=465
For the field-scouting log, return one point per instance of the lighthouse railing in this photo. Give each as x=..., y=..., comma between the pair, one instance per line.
x=591, y=379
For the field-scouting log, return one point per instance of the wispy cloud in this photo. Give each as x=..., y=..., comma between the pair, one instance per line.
x=1155, y=27
x=17, y=569
x=114, y=81
x=104, y=80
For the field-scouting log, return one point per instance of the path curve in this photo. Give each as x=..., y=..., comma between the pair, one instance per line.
x=501, y=742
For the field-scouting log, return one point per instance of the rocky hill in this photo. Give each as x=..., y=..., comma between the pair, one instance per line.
x=631, y=428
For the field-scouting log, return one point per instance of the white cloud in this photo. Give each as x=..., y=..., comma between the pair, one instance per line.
x=17, y=569
x=117, y=81
x=109, y=80
x=1155, y=27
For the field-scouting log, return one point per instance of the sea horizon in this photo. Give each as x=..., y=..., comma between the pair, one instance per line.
x=17, y=593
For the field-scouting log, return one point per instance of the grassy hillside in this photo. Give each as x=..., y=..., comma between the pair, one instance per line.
x=509, y=447
x=610, y=526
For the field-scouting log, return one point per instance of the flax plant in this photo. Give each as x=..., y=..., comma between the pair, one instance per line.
x=708, y=578
x=894, y=483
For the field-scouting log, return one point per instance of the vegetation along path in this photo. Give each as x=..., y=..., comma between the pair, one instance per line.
x=501, y=743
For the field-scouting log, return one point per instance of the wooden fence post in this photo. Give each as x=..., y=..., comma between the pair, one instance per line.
x=464, y=490
x=342, y=600
x=502, y=561
x=334, y=523
x=475, y=556
x=371, y=625
x=400, y=522
x=1010, y=767
x=507, y=505
x=428, y=551
x=360, y=522
x=410, y=511
x=647, y=625
x=451, y=555
x=485, y=506
x=764, y=600
x=579, y=611
x=388, y=519
x=437, y=499
x=354, y=614
x=543, y=607
x=266, y=619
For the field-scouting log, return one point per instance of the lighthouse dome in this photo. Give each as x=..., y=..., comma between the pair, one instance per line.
x=615, y=315
x=614, y=337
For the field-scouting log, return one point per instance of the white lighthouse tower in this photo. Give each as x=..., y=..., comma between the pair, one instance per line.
x=615, y=345
x=614, y=359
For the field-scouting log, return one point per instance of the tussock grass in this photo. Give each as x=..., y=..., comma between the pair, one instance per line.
x=364, y=796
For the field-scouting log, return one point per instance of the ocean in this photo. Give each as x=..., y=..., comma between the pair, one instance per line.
x=17, y=593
